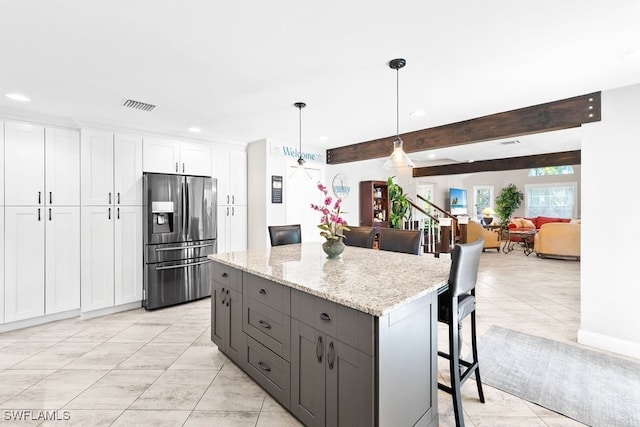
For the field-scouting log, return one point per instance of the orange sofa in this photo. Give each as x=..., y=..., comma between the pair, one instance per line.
x=558, y=240
x=476, y=231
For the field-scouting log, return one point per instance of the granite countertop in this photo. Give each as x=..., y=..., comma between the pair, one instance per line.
x=372, y=281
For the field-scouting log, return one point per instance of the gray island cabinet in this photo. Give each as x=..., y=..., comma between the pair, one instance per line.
x=348, y=342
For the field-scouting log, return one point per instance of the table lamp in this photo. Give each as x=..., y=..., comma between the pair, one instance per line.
x=488, y=215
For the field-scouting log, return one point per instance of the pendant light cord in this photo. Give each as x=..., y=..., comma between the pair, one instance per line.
x=398, y=103
x=300, y=127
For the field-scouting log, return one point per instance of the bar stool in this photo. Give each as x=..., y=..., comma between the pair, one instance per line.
x=405, y=241
x=285, y=234
x=362, y=237
x=454, y=305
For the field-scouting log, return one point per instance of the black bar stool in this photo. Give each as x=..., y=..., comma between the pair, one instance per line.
x=454, y=305
x=285, y=234
x=362, y=237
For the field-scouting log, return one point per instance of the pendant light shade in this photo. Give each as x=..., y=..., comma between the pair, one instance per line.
x=398, y=158
x=300, y=172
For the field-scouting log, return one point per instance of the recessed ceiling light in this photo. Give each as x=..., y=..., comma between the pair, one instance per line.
x=195, y=130
x=470, y=161
x=417, y=113
x=17, y=97
x=432, y=156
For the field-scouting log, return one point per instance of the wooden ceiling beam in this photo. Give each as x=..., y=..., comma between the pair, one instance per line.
x=513, y=163
x=564, y=114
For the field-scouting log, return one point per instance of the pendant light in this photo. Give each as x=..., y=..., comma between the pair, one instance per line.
x=398, y=158
x=300, y=172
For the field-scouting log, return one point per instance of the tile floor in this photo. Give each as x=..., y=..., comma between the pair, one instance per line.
x=161, y=369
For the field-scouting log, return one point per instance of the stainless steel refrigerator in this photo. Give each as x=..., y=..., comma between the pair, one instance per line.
x=179, y=233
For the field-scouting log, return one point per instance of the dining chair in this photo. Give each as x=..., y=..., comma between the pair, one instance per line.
x=362, y=237
x=285, y=234
x=454, y=304
x=405, y=241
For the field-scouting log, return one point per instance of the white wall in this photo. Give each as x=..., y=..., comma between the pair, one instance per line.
x=610, y=271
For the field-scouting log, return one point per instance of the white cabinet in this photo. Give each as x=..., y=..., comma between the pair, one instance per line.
x=111, y=256
x=41, y=165
x=111, y=168
x=163, y=155
x=62, y=259
x=24, y=262
x=128, y=253
x=230, y=171
x=24, y=164
x=2, y=264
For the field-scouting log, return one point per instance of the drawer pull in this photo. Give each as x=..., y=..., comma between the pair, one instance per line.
x=224, y=274
x=325, y=317
x=319, y=349
x=331, y=355
x=263, y=366
x=223, y=295
x=264, y=324
x=263, y=291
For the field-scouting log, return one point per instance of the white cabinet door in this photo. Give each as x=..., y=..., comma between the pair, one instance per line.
x=195, y=158
x=24, y=262
x=24, y=164
x=97, y=167
x=128, y=254
x=160, y=155
x=238, y=177
x=62, y=166
x=97, y=257
x=220, y=171
x=237, y=229
x=2, y=243
x=2, y=169
x=62, y=278
x=128, y=169
x=222, y=240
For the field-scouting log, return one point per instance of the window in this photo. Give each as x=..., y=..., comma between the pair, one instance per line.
x=551, y=170
x=555, y=200
x=482, y=198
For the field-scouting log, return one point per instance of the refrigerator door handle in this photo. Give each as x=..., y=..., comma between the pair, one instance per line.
x=173, y=267
x=187, y=220
x=183, y=247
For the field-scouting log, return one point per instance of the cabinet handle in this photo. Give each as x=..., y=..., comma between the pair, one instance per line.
x=176, y=167
x=49, y=214
x=233, y=210
x=118, y=197
x=227, y=210
x=50, y=198
x=264, y=366
x=109, y=215
x=228, y=298
x=264, y=324
x=319, y=349
x=263, y=291
x=233, y=200
x=227, y=199
x=223, y=296
x=325, y=317
x=39, y=197
x=109, y=197
x=183, y=168
x=118, y=213
x=224, y=275
x=331, y=354
x=38, y=214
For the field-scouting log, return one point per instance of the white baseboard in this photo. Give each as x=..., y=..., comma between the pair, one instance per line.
x=605, y=342
x=35, y=321
x=110, y=310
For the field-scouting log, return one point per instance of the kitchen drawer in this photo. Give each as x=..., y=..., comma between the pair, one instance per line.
x=350, y=326
x=268, y=293
x=270, y=327
x=270, y=371
x=227, y=276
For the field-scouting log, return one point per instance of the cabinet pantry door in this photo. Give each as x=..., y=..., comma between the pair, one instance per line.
x=237, y=229
x=97, y=167
x=97, y=257
x=128, y=170
x=24, y=164
x=128, y=254
x=62, y=282
x=161, y=155
x=62, y=158
x=195, y=158
x=24, y=262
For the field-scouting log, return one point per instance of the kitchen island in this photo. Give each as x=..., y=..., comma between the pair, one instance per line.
x=349, y=342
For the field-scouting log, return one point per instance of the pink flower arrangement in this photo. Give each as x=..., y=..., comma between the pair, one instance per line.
x=331, y=223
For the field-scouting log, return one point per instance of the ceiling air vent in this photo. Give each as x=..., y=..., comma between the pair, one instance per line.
x=515, y=141
x=138, y=105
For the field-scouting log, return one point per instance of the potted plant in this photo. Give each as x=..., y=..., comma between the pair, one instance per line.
x=507, y=202
x=400, y=206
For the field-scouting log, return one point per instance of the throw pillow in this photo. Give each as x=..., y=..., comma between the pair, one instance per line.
x=517, y=222
x=527, y=223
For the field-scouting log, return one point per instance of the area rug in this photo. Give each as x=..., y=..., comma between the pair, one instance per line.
x=590, y=387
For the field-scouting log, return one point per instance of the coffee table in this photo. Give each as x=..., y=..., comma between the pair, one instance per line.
x=524, y=237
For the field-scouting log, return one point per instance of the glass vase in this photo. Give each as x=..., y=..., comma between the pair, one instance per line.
x=333, y=248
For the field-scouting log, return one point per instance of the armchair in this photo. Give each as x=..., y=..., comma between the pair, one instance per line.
x=491, y=238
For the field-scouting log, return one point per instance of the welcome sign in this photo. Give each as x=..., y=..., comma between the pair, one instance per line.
x=295, y=153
